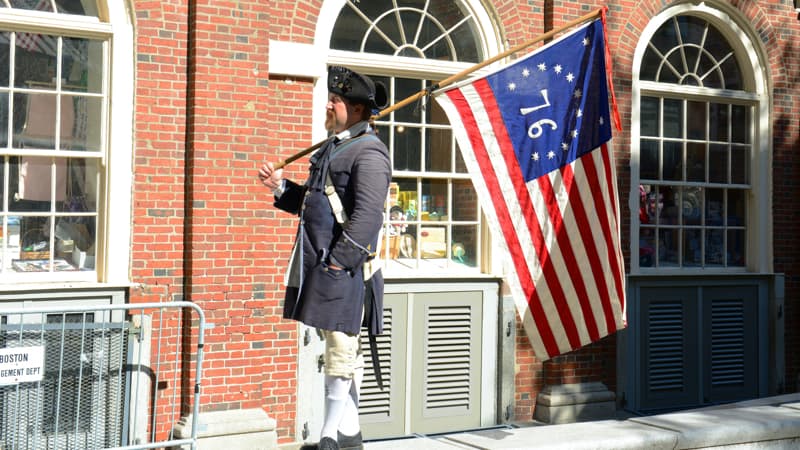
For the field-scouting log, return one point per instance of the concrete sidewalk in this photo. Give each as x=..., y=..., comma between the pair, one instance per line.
x=769, y=423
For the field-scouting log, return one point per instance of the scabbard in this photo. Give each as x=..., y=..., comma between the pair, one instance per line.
x=376, y=362
x=373, y=342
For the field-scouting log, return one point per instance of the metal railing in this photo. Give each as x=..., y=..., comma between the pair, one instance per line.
x=92, y=377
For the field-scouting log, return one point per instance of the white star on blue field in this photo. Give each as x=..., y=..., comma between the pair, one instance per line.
x=554, y=102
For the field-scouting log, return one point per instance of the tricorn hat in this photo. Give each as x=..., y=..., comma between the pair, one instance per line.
x=356, y=87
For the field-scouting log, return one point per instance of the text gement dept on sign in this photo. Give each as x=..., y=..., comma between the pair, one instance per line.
x=21, y=365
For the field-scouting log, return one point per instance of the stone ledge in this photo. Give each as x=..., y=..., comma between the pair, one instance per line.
x=578, y=402
x=241, y=429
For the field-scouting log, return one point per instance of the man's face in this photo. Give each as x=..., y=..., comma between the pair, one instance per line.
x=340, y=114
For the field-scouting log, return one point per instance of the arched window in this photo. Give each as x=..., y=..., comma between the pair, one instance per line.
x=432, y=30
x=696, y=142
x=434, y=221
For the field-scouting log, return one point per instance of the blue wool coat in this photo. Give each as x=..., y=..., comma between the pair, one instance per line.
x=320, y=297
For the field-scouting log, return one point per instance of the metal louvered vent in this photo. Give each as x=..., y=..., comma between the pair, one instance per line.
x=727, y=343
x=447, y=371
x=667, y=346
x=373, y=400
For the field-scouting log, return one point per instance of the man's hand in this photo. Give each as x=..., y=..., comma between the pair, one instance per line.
x=270, y=177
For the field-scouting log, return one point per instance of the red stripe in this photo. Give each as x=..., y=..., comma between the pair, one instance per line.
x=608, y=234
x=529, y=213
x=504, y=218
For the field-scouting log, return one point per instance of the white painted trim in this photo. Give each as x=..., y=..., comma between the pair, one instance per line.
x=295, y=59
x=37, y=21
x=119, y=168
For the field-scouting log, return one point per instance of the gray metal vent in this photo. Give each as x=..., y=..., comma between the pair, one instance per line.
x=666, y=346
x=447, y=372
x=727, y=343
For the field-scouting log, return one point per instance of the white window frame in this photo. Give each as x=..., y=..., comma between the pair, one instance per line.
x=114, y=217
x=759, y=213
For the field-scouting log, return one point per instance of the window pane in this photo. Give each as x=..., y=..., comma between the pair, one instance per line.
x=11, y=240
x=715, y=200
x=4, y=119
x=740, y=164
x=5, y=58
x=439, y=143
x=46, y=119
x=32, y=182
x=86, y=133
x=35, y=59
x=692, y=249
x=648, y=160
x=718, y=163
x=465, y=245
x=82, y=185
x=81, y=65
x=733, y=76
x=407, y=148
x=465, y=43
x=349, y=30
x=740, y=124
x=407, y=198
x=465, y=201
x=670, y=211
x=736, y=208
x=460, y=166
x=714, y=247
x=649, y=119
x=434, y=200
x=695, y=162
x=404, y=88
x=34, y=232
x=673, y=161
x=433, y=241
x=718, y=122
x=75, y=241
x=434, y=114
x=650, y=65
x=673, y=118
x=696, y=120
x=647, y=250
x=736, y=254
x=37, y=5
x=650, y=204
x=692, y=205
x=668, y=240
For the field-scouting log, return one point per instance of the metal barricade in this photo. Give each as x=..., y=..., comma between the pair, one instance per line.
x=110, y=376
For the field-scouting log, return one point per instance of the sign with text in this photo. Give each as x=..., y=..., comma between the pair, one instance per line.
x=21, y=365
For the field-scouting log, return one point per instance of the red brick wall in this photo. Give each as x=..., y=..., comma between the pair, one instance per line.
x=204, y=229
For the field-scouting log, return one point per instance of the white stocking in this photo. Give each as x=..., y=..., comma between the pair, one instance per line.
x=337, y=394
x=349, y=425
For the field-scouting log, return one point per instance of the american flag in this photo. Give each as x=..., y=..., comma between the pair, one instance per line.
x=533, y=136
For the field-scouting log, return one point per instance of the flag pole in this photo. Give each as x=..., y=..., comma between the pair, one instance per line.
x=454, y=78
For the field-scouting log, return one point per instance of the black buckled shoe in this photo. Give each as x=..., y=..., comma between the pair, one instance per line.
x=325, y=443
x=350, y=442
